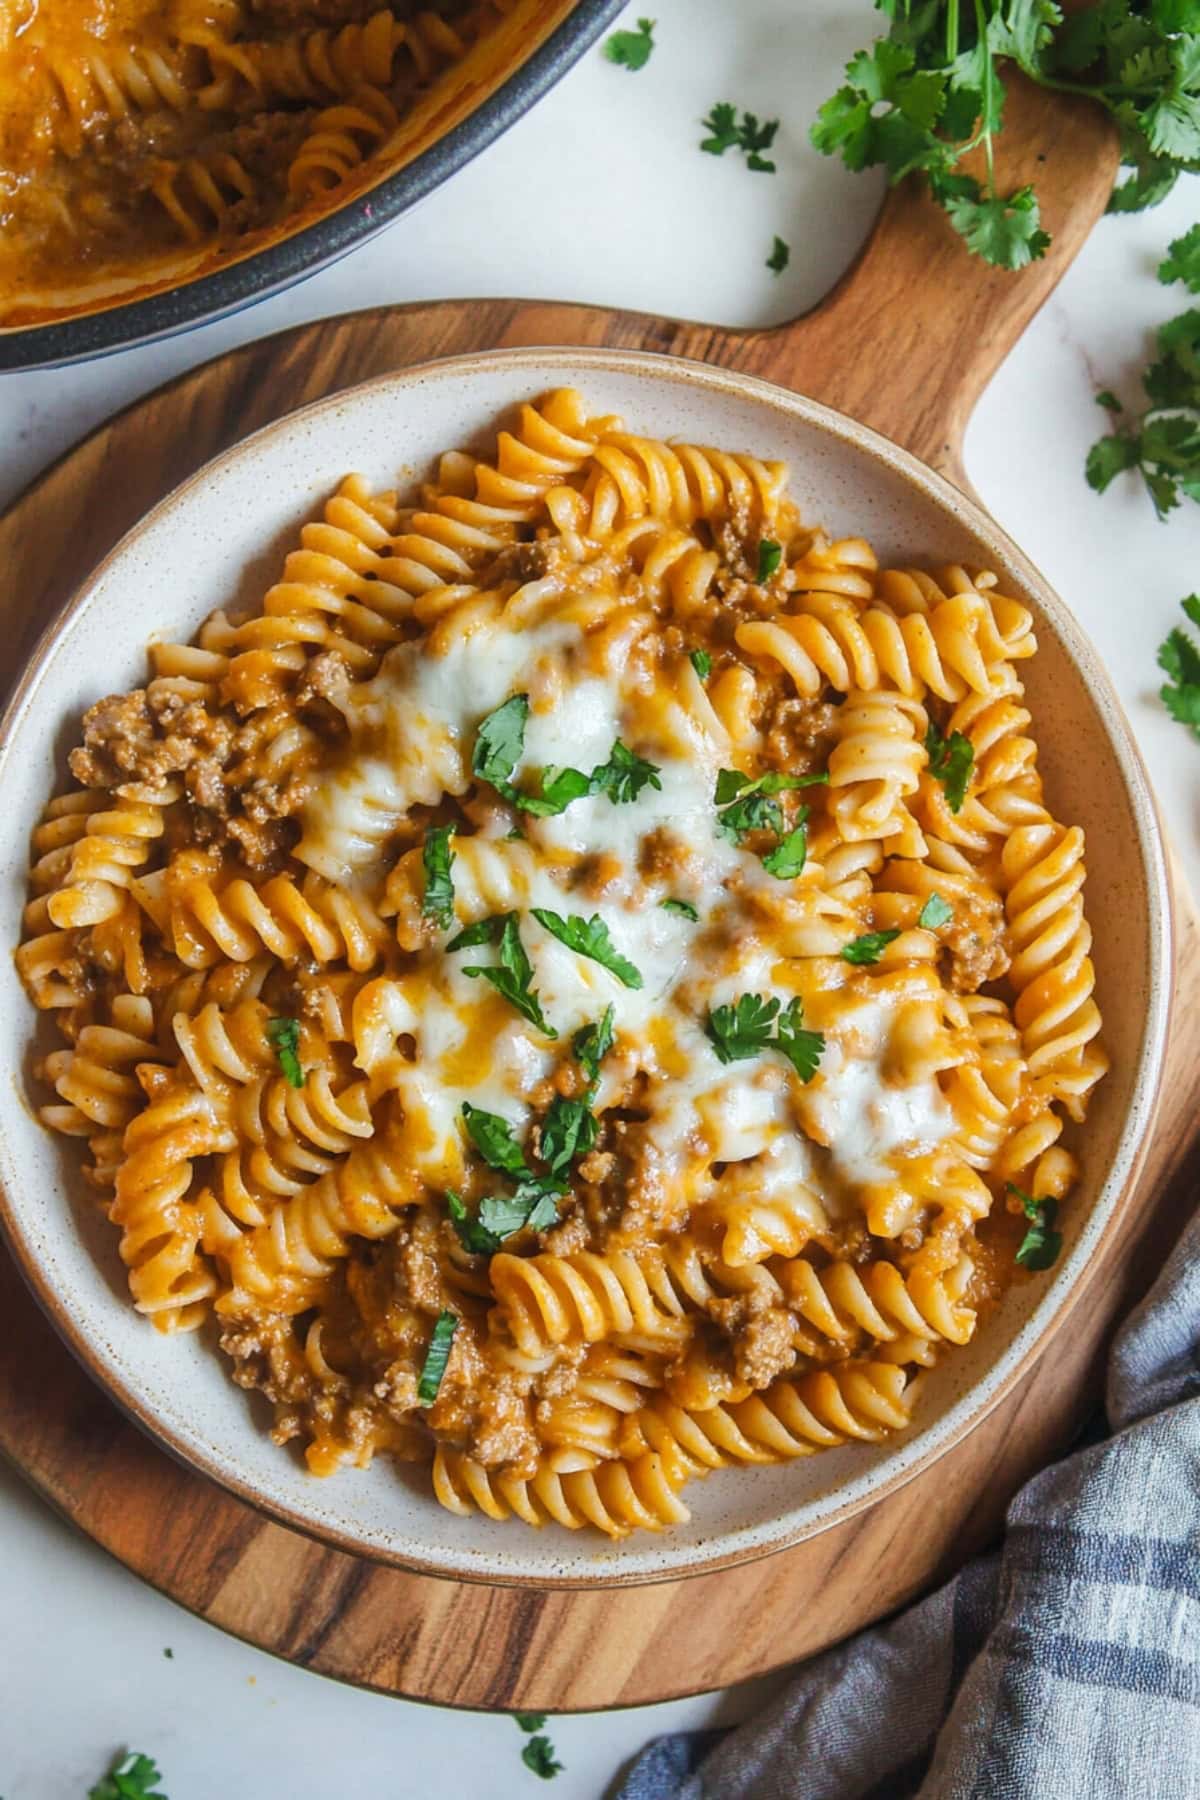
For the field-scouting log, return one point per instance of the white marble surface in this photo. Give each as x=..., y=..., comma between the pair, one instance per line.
x=600, y=195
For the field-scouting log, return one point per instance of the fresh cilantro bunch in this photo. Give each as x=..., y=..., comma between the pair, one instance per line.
x=931, y=91
x=1162, y=442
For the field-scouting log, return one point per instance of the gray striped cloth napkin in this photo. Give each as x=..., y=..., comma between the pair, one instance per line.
x=1064, y=1665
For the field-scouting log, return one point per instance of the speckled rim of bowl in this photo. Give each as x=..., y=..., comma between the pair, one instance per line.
x=1065, y=1288
x=292, y=259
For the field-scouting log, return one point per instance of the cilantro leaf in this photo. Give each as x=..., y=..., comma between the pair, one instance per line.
x=538, y=1755
x=747, y=804
x=530, y=1721
x=568, y=1132
x=749, y=1027
x=684, y=908
x=1109, y=457
x=1041, y=1244
x=500, y=741
x=935, y=913
x=803, y=1049
x=742, y=1030
x=1182, y=261
x=592, y=1043
x=868, y=948
x=590, y=938
x=559, y=788
x=790, y=854
x=284, y=1036
x=484, y=931
x=533, y=1207
x=624, y=776
x=513, y=976
x=1002, y=229
x=472, y=1234
x=702, y=663
x=436, y=1358
x=631, y=50
x=493, y=1137
x=770, y=555
x=721, y=123
x=436, y=858
x=1179, y=658
x=780, y=257
x=749, y=135
x=950, y=762
x=131, y=1777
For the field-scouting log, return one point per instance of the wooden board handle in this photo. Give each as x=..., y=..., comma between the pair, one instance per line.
x=933, y=359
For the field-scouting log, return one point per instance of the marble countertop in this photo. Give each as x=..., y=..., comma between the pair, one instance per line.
x=599, y=195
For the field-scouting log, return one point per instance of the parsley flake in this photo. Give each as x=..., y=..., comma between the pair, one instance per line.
x=1040, y=1246
x=592, y=1044
x=701, y=661
x=780, y=257
x=935, y=913
x=951, y=760
x=436, y=858
x=868, y=948
x=590, y=938
x=770, y=555
x=284, y=1036
x=436, y=1358
x=632, y=50
x=513, y=976
x=684, y=908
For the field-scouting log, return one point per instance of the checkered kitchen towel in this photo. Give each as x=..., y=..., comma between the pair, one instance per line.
x=1065, y=1665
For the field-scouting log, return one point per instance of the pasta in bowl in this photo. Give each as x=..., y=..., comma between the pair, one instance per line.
x=577, y=983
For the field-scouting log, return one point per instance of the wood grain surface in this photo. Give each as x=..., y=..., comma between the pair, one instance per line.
x=906, y=342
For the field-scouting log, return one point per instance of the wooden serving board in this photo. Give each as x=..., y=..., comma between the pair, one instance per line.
x=905, y=342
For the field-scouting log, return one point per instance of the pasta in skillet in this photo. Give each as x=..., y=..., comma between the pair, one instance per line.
x=583, y=987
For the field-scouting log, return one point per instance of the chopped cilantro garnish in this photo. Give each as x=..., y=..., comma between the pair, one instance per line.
x=747, y=134
x=590, y=938
x=747, y=805
x=568, y=1132
x=684, y=908
x=1041, y=1244
x=530, y=1721
x=472, y=1234
x=869, y=947
x=131, y=1777
x=513, y=975
x=484, y=931
x=284, y=1036
x=631, y=50
x=592, y=1044
x=950, y=762
x=500, y=741
x=538, y=1755
x=788, y=858
x=559, y=788
x=438, y=900
x=534, y=1206
x=623, y=776
x=701, y=661
x=770, y=555
x=493, y=1137
x=935, y=913
x=753, y=1024
x=780, y=256
x=436, y=1358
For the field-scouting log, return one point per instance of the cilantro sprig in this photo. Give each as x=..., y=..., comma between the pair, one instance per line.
x=748, y=134
x=632, y=50
x=951, y=760
x=932, y=90
x=284, y=1037
x=1179, y=658
x=1041, y=1244
x=754, y=1023
x=1161, y=441
x=133, y=1776
x=590, y=938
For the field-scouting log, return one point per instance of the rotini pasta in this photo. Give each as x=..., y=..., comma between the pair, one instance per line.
x=582, y=986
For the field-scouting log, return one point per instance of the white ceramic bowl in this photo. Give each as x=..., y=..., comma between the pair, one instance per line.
x=219, y=539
